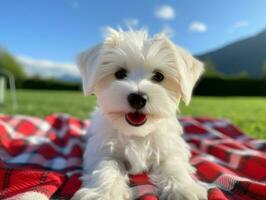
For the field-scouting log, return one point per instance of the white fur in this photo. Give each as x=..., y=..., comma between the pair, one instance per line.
x=116, y=148
x=33, y=196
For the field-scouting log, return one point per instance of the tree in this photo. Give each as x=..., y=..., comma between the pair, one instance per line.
x=242, y=75
x=210, y=70
x=9, y=63
x=264, y=70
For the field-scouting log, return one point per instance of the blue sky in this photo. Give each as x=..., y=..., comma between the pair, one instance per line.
x=53, y=31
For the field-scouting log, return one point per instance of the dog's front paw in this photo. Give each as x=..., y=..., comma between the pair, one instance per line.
x=184, y=192
x=98, y=194
x=200, y=191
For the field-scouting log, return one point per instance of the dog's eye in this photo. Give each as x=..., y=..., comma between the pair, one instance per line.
x=121, y=73
x=157, y=77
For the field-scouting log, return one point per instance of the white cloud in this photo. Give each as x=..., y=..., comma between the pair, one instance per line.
x=198, y=27
x=47, y=68
x=238, y=25
x=168, y=30
x=165, y=12
x=132, y=22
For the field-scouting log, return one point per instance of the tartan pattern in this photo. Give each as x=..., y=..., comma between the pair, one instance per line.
x=44, y=155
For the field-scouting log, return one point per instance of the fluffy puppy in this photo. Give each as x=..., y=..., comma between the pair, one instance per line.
x=139, y=82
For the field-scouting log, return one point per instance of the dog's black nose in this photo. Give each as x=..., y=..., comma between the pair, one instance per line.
x=137, y=100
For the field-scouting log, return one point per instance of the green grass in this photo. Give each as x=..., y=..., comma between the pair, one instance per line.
x=41, y=103
x=247, y=113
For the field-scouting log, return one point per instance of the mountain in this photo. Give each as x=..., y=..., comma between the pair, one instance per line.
x=245, y=55
x=70, y=78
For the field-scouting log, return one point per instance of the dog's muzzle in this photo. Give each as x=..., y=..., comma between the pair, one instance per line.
x=136, y=101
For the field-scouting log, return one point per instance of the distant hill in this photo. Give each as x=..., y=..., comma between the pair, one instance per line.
x=69, y=78
x=245, y=55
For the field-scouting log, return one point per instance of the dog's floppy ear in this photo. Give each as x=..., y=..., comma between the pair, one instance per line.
x=188, y=68
x=189, y=73
x=86, y=62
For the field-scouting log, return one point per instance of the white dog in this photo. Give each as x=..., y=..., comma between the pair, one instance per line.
x=138, y=82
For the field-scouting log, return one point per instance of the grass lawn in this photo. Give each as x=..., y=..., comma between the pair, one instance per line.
x=249, y=113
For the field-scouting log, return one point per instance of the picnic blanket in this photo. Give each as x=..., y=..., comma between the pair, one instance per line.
x=41, y=159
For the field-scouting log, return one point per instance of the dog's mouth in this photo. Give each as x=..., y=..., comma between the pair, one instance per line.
x=136, y=118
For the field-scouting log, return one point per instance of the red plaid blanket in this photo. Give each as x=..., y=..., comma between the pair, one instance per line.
x=41, y=159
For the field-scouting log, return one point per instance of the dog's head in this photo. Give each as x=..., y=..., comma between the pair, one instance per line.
x=138, y=80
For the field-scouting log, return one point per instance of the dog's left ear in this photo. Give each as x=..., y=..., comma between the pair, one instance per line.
x=190, y=70
x=87, y=62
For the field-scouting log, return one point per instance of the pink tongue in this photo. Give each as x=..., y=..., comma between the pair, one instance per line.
x=136, y=118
